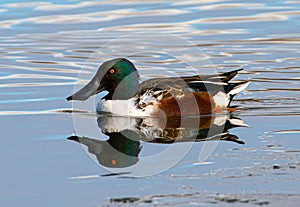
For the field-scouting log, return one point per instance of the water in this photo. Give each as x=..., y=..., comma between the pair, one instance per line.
x=44, y=46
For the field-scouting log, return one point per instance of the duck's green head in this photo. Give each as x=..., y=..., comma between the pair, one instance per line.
x=118, y=76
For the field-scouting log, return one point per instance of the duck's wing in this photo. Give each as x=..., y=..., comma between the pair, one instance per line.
x=164, y=84
x=221, y=77
x=211, y=83
x=179, y=86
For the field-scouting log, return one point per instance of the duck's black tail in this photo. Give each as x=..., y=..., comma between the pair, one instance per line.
x=233, y=88
x=225, y=77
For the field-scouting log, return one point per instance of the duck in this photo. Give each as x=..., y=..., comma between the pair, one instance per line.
x=165, y=96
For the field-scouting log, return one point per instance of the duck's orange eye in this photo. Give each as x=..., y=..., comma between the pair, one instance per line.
x=112, y=71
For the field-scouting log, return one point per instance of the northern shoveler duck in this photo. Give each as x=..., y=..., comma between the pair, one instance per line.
x=174, y=96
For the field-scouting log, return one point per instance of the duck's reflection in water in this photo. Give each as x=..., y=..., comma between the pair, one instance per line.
x=126, y=133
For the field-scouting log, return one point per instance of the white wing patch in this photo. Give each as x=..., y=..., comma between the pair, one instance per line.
x=221, y=99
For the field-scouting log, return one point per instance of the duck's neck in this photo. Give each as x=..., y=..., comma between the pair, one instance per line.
x=126, y=89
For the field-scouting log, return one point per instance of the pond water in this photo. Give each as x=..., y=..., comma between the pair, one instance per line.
x=47, y=47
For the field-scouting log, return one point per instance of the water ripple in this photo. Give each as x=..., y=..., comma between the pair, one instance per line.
x=81, y=36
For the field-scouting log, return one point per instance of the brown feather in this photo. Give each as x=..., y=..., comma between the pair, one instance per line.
x=186, y=105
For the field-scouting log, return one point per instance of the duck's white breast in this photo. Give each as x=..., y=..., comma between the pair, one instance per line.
x=121, y=107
